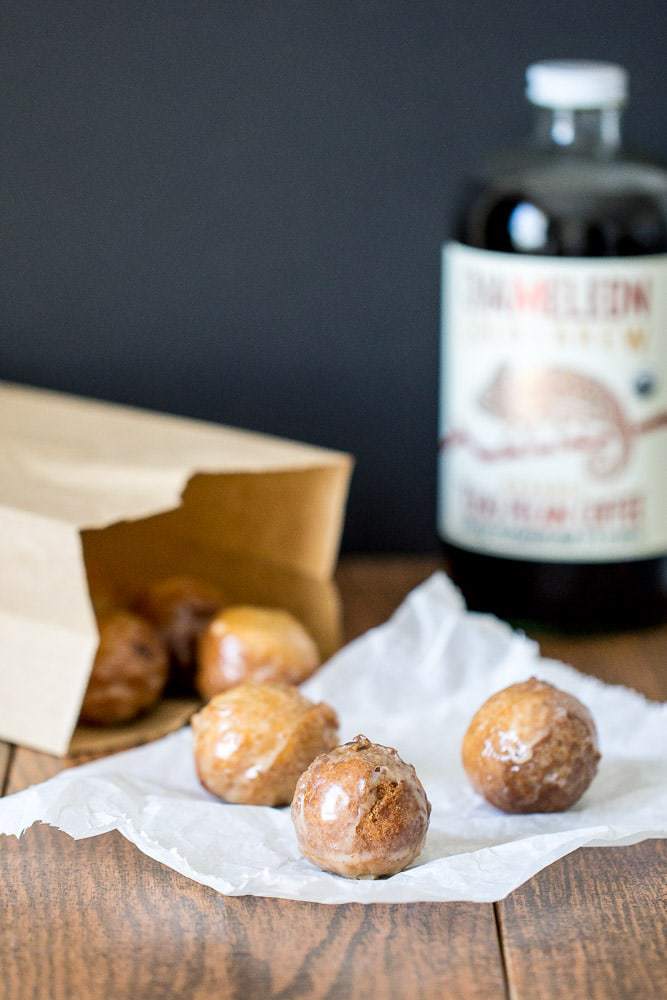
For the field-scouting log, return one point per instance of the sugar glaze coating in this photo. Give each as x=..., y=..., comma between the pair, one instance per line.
x=252, y=742
x=246, y=643
x=360, y=811
x=129, y=671
x=531, y=748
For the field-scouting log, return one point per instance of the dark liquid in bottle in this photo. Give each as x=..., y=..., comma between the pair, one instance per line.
x=607, y=208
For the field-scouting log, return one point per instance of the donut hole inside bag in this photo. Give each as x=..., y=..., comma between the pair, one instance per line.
x=125, y=558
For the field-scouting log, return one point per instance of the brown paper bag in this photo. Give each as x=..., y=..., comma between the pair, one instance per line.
x=95, y=495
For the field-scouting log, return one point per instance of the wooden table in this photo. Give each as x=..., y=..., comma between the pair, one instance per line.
x=96, y=918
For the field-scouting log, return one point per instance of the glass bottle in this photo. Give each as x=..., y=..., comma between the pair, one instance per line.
x=553, y=459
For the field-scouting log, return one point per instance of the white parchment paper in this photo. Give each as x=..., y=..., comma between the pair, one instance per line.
x=412, y=683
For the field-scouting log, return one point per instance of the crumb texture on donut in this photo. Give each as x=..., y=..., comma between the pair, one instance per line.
x=360, y=811
x=246, y=643
x=531, y=748
x=252, y=742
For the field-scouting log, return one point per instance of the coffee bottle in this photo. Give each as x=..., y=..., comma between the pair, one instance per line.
x=553, y=450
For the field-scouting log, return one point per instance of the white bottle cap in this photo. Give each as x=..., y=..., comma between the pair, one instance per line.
x=576, y=83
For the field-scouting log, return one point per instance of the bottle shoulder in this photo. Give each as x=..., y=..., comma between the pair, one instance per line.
x=530, y=167
x=530, y=200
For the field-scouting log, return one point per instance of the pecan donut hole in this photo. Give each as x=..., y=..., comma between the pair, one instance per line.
x=246, y=643
x=252, y=742
x=360, y=811
x=129, y=671
x=180, y=607
x=531, y=748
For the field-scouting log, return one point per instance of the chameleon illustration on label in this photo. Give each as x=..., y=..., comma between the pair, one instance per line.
x=587, y=415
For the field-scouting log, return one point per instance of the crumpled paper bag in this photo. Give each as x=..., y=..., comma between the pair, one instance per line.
x=412, y=683
x=99, y=500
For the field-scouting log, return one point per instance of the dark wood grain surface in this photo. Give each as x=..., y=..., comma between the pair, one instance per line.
x=594, y=925
x=97, y=919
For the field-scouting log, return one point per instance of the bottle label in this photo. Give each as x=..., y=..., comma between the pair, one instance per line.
x=554, y=406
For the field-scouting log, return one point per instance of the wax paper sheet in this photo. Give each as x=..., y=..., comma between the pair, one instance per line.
x=412, y=683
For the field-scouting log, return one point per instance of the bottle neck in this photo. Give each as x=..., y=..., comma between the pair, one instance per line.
x=595, y=132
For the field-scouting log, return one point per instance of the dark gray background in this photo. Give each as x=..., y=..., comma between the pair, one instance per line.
x=234, y=210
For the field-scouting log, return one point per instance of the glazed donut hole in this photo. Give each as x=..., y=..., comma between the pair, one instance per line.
x=129, y=671
x=253, y=741
x=247, y=643
x=180, y=608
x=360, y=811
x=531, y=748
